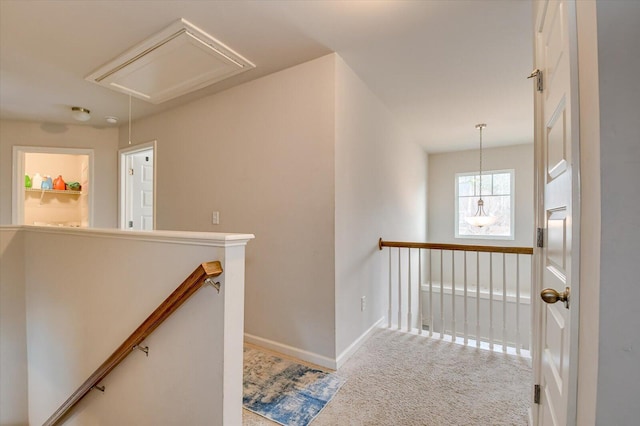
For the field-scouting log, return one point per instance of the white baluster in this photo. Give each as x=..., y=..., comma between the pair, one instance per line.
x=441, y=298
x=491, y=301
x=478, y=299
x=409, y=323
x=399, y=290
x=466, y=319
x=453, y=296
x=390, y=286
x=504, y=303
x=419, y=291
x=518, y=344
x=430, y=297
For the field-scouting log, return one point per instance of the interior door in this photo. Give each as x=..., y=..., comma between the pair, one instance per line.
x=556, y=351
x=139, y=190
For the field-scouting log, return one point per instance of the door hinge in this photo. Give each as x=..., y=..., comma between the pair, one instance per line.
x=130, y=224
x=536, y=394
x=538, y=75
x=131, y=172
x=540, y=237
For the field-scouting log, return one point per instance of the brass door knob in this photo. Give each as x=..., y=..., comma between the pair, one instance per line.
x=550, y=295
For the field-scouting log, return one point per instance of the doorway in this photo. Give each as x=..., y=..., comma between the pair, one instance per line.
x=137, y=187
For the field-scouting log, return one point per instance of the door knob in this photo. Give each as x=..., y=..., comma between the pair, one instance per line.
x=550, y=295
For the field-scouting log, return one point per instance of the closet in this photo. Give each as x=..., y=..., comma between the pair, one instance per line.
x=55, y=190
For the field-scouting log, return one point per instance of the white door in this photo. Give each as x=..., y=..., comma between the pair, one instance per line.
x=139, y=178
x=555, y=353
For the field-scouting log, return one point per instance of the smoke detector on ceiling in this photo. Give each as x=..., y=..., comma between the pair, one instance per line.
x=178, y=60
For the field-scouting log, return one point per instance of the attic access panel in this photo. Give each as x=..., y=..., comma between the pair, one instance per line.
x=176, y=61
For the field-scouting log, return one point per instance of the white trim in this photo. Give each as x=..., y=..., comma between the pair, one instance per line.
x=471, y=294
x=347, y=353
x=18, y=172
x=300, y=354
x=122, y=153
x=213, y=239
x=312, y=357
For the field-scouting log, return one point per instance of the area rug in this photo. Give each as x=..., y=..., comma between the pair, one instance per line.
x=286, y=392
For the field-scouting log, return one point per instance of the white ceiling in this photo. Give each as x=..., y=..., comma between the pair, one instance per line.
x=439, y=66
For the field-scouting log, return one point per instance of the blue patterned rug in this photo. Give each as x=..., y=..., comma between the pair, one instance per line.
x=284, y=391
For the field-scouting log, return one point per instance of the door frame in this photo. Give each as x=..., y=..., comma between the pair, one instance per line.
x=18, y=172
x=123, y=153
x=540, y=174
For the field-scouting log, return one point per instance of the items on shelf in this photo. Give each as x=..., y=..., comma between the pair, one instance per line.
x=47, y=183
x=58, y=183
x=36, y=182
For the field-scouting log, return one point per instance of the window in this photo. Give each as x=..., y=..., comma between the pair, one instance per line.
x=497, y=194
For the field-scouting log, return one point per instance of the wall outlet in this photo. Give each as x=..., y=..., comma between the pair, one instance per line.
x=215, y=218
x=363, y=303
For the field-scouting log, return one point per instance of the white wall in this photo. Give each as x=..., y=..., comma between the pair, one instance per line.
x=380, y=191
x=87, y=291
x=442, y=170
x=262, y=154
x=102, y=141
x=13, y=337
x=619, y=91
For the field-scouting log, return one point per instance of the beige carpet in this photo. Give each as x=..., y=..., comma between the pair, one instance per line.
x=402, y=379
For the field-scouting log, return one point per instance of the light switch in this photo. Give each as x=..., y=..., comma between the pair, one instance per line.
x=215, y=218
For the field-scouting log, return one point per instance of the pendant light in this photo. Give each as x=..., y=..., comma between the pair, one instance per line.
x=481, y=218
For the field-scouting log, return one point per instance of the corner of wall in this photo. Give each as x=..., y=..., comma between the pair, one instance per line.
x=380, y=178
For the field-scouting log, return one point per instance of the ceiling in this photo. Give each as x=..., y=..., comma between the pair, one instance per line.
x=440, y=66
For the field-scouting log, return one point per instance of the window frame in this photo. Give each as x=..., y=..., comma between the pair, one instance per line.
x=511, y=236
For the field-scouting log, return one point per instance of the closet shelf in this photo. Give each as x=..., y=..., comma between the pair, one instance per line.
x=54, y=191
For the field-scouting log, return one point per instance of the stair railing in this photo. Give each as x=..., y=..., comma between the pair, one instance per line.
x=475, y=297
x=201, y=275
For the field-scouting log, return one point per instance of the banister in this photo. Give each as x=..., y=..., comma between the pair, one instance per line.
x=458, y=247
x=188, y=287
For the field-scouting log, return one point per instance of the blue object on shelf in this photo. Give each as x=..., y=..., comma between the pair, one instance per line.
x=47, y=183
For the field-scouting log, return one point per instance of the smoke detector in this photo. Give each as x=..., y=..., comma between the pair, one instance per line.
x=178, y=60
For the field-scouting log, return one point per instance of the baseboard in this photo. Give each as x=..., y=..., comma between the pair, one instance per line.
x=312, y=357
x=346, y=354
x=300, y=354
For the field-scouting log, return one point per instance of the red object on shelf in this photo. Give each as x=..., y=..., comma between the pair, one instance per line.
x=58, y=183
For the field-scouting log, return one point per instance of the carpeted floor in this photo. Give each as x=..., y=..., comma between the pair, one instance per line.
x=402, y=379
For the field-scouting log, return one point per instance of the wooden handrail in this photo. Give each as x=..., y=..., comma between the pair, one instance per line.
x=162, y=312
x=459, y=247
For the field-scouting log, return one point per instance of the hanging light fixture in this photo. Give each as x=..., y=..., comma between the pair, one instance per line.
x=481, y=218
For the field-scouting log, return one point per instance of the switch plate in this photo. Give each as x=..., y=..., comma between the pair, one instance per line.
x=215, y=218
x=363, y=303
